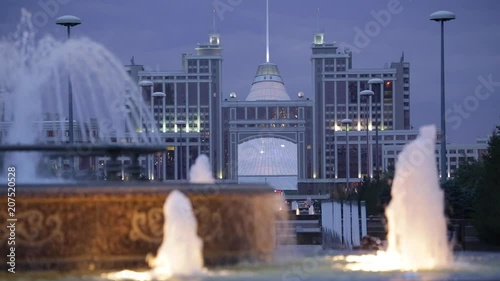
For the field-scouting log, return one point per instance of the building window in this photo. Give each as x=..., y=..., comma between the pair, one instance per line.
x=192, y=93
x=330, y=92
x=341, y=92
x=341, y=64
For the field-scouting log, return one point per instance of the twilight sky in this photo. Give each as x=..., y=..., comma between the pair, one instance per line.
x=157, y=32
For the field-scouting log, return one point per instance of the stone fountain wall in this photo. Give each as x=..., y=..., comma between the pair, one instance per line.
x=112, y=227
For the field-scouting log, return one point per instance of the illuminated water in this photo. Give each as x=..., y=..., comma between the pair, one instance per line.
x=107, y=101
x=181, y=252
x=417, y=223
x=307, y=266
x=417, y=238
x=201, y=172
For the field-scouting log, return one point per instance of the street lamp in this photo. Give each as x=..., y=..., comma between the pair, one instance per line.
x=368, y=94
x=300, y=95
x=179, y=124
x=233, y=96
x=144, y=84
x=159, y=95
x=347, y=122
x=442, y=16
x=377, y=82
x=69, y=21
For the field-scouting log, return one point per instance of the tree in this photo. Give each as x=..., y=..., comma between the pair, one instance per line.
x=377, y=193
x=487, y=207
x=461, y=190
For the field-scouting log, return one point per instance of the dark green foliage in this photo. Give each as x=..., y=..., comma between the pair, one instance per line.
x=487, y=199
x=376, y=193
x=460, y=191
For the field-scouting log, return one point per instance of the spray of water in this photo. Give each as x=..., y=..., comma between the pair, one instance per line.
x=416, y=222
x=201, y=172
x=34, y=78
x=181, y=252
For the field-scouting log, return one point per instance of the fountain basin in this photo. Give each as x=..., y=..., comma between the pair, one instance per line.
x=118, y=225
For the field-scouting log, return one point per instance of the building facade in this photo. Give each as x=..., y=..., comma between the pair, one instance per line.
x=195, y=118
x=337, y=87
x=456, y=154
x=188, y=114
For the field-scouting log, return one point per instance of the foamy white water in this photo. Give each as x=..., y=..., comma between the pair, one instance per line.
x=416, y=222
x=201, y=172
x=181, y=252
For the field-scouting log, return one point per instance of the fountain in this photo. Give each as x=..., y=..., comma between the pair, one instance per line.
x=417, y=237
x=101, y=226
x=181, y=252
x=79, y=225
x=108, y=107
x=200, y=172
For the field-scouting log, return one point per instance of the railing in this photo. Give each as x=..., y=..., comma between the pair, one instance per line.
x=113, y=166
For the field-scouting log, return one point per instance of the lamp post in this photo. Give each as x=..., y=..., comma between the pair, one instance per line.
x=442, y=16
x=368, y=94
x=300, y=95
x=180, y=123
x=144, y=84
x=347, y=122
x=377, y=82
x=159, y=95
x=233, y=96
x=69, y=21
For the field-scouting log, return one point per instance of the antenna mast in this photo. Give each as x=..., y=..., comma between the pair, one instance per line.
x=213, y=22
x=317, y=21
x=267, y=30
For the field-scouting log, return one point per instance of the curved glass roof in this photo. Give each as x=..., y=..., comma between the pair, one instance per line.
x=267, y=157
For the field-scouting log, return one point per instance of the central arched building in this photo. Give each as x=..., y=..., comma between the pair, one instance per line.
x=266, y=134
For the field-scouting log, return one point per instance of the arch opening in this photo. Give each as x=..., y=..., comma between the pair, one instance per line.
x=268, y=160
